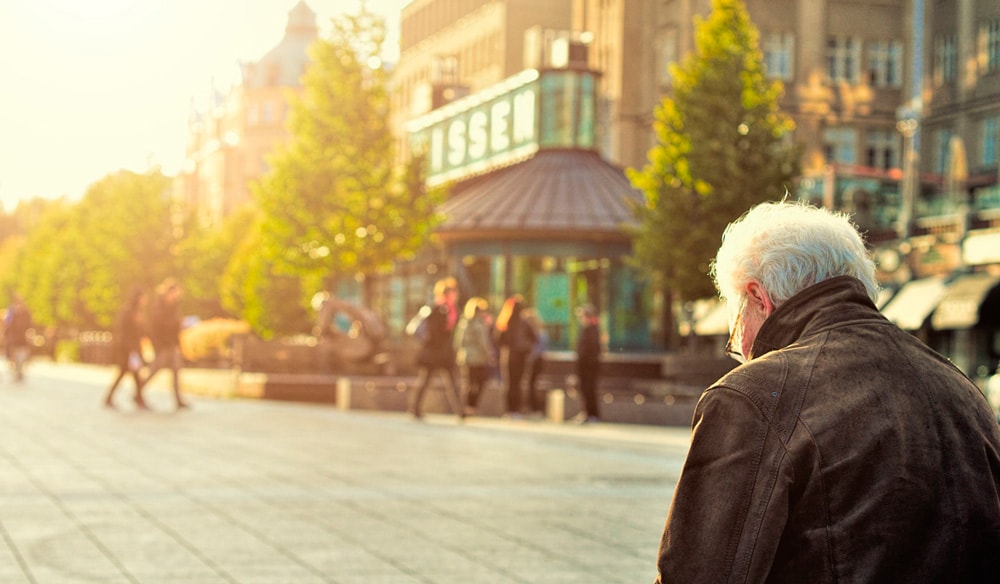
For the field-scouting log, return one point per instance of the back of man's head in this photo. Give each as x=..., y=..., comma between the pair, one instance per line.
x=788, y=247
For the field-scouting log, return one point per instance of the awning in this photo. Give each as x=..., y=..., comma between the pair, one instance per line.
x=884, y=296
x=959, y=309
x=555, y=192
x=715, y=322
x=910, y=306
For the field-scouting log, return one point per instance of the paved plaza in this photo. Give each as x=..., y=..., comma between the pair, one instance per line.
x=251, y=491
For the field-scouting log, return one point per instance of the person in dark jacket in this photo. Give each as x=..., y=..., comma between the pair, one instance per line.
x=437, y=352
x=588, y=362
x=843, y=449
x=164, y=333
x=536, y=360
x=516, y=338
x=127, y=344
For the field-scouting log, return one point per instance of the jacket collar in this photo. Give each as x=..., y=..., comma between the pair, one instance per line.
x=816, y=308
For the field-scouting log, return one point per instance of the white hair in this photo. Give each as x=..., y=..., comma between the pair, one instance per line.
x=788, y=247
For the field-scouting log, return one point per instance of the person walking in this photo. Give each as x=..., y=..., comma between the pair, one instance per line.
x=437, y=352
x=517, y=337
x=17, y=323
x=127, y=338
x=843, y=449
x=475, y=349
x=588, y=362
x=164, y=332
x=536, y=359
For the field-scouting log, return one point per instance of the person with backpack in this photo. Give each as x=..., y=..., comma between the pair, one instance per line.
x=476, y=352
x=437, y=352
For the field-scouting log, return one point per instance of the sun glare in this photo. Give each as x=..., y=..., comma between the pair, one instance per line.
x=100, y=85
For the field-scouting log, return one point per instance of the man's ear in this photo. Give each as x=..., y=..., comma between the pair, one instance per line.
x=758, y=295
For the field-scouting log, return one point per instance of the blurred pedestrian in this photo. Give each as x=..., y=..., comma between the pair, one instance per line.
x=588, y=362
x=517, y=337
x=127, y=339
x=475, y=348
x=164, y=333
x=843, y=449
x=437, y=351
x=17, y=323
x=536, y=359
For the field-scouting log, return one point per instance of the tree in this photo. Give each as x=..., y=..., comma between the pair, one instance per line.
x=128, y=239
x=204, y=255
x=333, y=204
x=79, y=261
x=48, y=269
x=252, y=289
x=722, y=146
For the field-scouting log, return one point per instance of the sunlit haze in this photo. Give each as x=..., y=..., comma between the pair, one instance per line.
x=93, y=86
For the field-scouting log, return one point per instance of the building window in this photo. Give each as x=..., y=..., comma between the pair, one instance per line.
x=942, y=150
x=840, y=145
x=990, y=134
x=882, y=149
x=843, y=58
x=779, y=54
x=945, y=59
x=989, y=47
x=668, y=55
x=885, y=63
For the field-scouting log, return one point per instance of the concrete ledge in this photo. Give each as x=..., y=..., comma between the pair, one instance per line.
x=650, y=403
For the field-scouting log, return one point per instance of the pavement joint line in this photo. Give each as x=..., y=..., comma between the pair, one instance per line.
x=142, y=512
x=249, y=490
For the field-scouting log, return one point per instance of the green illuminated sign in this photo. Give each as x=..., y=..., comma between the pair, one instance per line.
x=506, y=123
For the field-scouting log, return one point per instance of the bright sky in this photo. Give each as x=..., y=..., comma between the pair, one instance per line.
x=88, y=87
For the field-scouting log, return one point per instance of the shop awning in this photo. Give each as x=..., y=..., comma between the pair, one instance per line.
x=959, y=308
x=910, y=306
x=714, y=322
x=884, y=296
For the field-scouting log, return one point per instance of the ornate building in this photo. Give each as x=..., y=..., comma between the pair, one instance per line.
x=228, y=141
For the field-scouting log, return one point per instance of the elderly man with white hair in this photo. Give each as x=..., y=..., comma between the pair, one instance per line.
x=842, y=449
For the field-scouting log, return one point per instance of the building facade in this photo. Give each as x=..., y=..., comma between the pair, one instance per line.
x=949, y=247
x=842, y=62
x=896, y=104
x=453, y=48
x=500, y=98
x=229, y=140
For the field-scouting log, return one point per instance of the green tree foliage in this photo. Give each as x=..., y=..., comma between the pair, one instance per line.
x=79, y=261
x=129, y=239
x=333, y=204
x=251, y=288
x=722, y=146
x=204, y=255
x=48, y=270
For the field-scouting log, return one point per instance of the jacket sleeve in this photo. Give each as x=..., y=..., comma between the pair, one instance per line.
x=731, y=501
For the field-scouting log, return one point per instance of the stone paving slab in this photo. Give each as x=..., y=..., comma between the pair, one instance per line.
x=252, y=491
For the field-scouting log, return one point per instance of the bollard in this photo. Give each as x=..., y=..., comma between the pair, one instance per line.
x=555, y=405
x=343, y=394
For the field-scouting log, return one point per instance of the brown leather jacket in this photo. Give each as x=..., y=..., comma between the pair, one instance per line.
x=846, y=451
